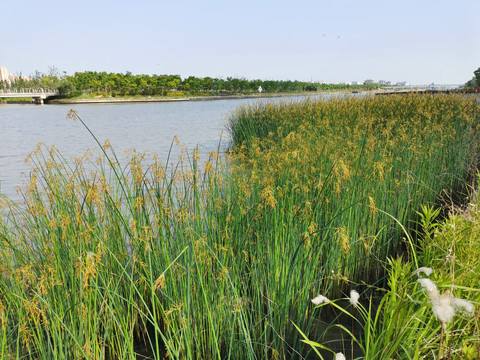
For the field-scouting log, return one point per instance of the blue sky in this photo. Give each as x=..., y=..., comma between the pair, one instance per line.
x=420, y=41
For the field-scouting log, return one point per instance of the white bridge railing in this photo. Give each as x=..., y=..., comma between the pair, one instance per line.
x=38, y=95
x=27, y=92
x=423, y=87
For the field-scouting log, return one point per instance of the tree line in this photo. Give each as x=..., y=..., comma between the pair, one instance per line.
x=129, y=84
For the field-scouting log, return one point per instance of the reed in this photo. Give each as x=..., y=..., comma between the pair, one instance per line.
x=347, y=158
x=213, y=256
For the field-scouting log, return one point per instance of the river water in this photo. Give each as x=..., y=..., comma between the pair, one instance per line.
x=140, y=126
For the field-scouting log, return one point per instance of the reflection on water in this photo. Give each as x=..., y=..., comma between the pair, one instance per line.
x=143, y=127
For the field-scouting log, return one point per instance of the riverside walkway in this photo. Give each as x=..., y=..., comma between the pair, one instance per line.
x=38, y=95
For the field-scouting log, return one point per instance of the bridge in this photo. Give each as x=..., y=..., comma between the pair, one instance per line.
x=38, y=95
x=422, y=87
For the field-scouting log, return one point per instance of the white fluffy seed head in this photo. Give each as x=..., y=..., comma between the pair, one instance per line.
x=354, y=296
x=442, y=308
x=320, y=299
x=446, y=305
x=339, y=356
x=464, y=306
x=430, y=287
x=426, y=270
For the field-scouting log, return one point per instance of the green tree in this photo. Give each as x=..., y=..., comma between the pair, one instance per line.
x=192, y=83
x=66, y=88
x=161, y=84
x=207, y=83
x=477, y=76
x=475, y=81
x=173, y=82
x=472, y=84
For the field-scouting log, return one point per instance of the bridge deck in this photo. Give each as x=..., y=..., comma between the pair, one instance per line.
x=36, y=94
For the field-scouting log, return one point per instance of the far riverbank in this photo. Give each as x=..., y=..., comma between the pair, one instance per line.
x=112, y=100
x=155, y=99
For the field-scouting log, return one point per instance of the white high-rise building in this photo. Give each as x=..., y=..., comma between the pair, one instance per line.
x=4, y=76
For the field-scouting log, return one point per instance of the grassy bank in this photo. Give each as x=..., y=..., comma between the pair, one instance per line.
x=218, y=256
x=16, y=100
x=177, y=96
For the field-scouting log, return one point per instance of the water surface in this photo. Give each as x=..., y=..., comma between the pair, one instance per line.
x=141, y=126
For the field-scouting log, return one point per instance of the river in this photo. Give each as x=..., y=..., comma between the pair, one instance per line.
x=140, y=126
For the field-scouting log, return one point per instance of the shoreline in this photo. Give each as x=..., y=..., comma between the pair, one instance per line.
x=112, y=100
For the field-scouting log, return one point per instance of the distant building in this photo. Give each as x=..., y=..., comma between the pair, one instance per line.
x=402, y=83
x=4, y=76
x=368, y=81
x=8, y=78
x=13, y=78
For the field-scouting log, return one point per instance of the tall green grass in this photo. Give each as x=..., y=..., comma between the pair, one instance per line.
x=345, y=158
x=214, y=256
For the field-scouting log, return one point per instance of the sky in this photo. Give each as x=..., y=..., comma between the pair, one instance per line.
x=419, y=41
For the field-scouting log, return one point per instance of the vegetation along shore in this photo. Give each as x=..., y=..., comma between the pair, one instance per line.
x=144, y=99
x=336, y=228
x=95, y=86
x=100, y=99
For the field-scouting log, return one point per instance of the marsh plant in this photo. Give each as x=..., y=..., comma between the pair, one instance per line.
x=211, y=256
x=400, y=326
x=341, y=165
x=444, y=306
